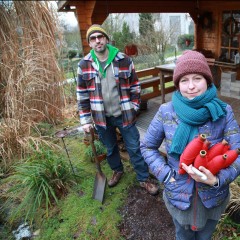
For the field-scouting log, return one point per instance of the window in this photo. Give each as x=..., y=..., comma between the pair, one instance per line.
x=230, y=35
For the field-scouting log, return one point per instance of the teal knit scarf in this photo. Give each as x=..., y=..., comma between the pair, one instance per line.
x=192, y=114
x=111, y=55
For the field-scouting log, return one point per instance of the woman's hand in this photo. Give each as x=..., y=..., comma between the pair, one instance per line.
x=211, y=179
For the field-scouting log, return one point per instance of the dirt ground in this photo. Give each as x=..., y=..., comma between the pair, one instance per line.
x=145, y=217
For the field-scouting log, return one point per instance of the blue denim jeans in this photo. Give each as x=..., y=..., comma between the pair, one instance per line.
x=131, y=140
x=186, y=233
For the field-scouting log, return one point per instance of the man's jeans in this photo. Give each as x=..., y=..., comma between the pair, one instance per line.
x=185, y=233
x=131, y=138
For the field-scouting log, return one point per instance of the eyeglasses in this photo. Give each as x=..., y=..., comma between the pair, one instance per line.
x=93, y=38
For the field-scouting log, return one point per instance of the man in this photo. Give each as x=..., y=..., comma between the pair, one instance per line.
x=108, y=94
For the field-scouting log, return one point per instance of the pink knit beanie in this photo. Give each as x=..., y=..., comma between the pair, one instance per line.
x=191, y=62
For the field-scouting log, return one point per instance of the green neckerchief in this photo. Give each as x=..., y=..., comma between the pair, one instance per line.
x=112, y=52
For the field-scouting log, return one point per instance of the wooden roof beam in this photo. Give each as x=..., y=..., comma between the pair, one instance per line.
x=65, y=6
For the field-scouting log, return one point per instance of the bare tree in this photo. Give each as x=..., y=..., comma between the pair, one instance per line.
x=165, y=34
x=147, y=31
x=72, y=39
x=113, y=23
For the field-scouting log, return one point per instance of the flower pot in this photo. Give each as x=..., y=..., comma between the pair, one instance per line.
x=131, y=50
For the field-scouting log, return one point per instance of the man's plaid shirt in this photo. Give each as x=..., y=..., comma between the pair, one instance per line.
x=89, y=94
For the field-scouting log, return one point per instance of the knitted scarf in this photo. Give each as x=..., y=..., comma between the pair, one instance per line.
x=193, y=113
x=111, y=55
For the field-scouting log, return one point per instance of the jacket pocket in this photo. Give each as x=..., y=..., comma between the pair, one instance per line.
x=124, y=80
x=90, y=81
x=212, y=197
x=179, y=192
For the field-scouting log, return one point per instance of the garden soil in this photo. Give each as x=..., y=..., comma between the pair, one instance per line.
x=145, y=217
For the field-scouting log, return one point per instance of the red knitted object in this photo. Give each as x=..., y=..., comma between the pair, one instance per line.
x=226, y=148
x=218, y=149
x=217, y=163
x=201, y=159
x=191, y=151
x=231, y=156
x=206, y=145
x=181, y=171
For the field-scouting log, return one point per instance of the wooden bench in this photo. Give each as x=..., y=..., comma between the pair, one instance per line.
x=149, y=79
x=210, y=61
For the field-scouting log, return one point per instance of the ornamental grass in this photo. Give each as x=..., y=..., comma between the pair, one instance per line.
x=36, y=185
x=30, y=89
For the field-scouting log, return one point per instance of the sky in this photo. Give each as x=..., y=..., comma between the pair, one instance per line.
x=68, y=17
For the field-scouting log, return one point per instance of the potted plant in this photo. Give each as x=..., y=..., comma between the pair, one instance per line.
x=100, y=149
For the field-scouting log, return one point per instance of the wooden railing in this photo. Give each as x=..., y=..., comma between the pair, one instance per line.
x=150, y=80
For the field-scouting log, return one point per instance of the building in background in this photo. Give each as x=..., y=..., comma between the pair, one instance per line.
x=181, y=22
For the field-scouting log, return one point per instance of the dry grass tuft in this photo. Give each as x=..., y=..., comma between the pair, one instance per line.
x=234, y=204
x=29, y=77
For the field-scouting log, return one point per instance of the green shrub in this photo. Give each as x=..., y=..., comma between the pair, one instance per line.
x=38, y=183
x=72, y=54
x=100, y=149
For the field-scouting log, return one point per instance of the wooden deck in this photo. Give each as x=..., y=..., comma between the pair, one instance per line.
x=146, y=116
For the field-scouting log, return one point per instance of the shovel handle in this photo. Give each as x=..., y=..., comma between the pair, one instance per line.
x=94, y=151
x=92, y=138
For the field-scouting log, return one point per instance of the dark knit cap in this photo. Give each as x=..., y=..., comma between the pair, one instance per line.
x=96, y=28
x=191, y=62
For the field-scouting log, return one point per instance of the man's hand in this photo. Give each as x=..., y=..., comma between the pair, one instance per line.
x=211, y=179
x=86, y=128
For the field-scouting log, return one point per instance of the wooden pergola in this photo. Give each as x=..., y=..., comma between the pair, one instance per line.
x=206, y=14
x=90, y=12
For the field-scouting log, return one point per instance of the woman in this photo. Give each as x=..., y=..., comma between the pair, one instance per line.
x=195, y=204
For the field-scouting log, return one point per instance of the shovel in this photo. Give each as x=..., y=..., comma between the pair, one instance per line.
x=100, y=178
